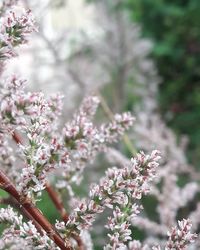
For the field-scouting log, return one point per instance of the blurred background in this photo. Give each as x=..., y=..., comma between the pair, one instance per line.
x=137, y=55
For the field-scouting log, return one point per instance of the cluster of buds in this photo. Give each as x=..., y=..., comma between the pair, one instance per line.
x=84, y=139
x=22, y=233
x=180, y=237
x=118, y=190
x=14, y=29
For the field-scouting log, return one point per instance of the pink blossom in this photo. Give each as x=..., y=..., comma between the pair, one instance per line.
x=181, y=236
x=129, y=183
x=22, y=230
x=14, y=31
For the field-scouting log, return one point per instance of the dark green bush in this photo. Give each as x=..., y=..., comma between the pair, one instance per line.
x=174, y=27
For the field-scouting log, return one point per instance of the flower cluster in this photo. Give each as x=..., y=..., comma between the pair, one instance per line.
x=17, y=104
x=180, y=237
x=21, y=233
x=32, y=115
x=14, y=31
x=117, y=127
x=118, y=190
x=84, y=139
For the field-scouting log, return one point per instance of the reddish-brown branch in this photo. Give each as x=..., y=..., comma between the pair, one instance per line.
x=57, y=202
x=60, y=207
x=27, y=205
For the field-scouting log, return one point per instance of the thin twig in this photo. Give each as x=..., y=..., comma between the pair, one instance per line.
x=57, y=202
x=64, y=215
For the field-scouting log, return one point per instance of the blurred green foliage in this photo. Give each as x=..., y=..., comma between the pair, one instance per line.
x=174, y=27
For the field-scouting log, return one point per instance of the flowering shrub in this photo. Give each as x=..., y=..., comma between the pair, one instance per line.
x=33, y=144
